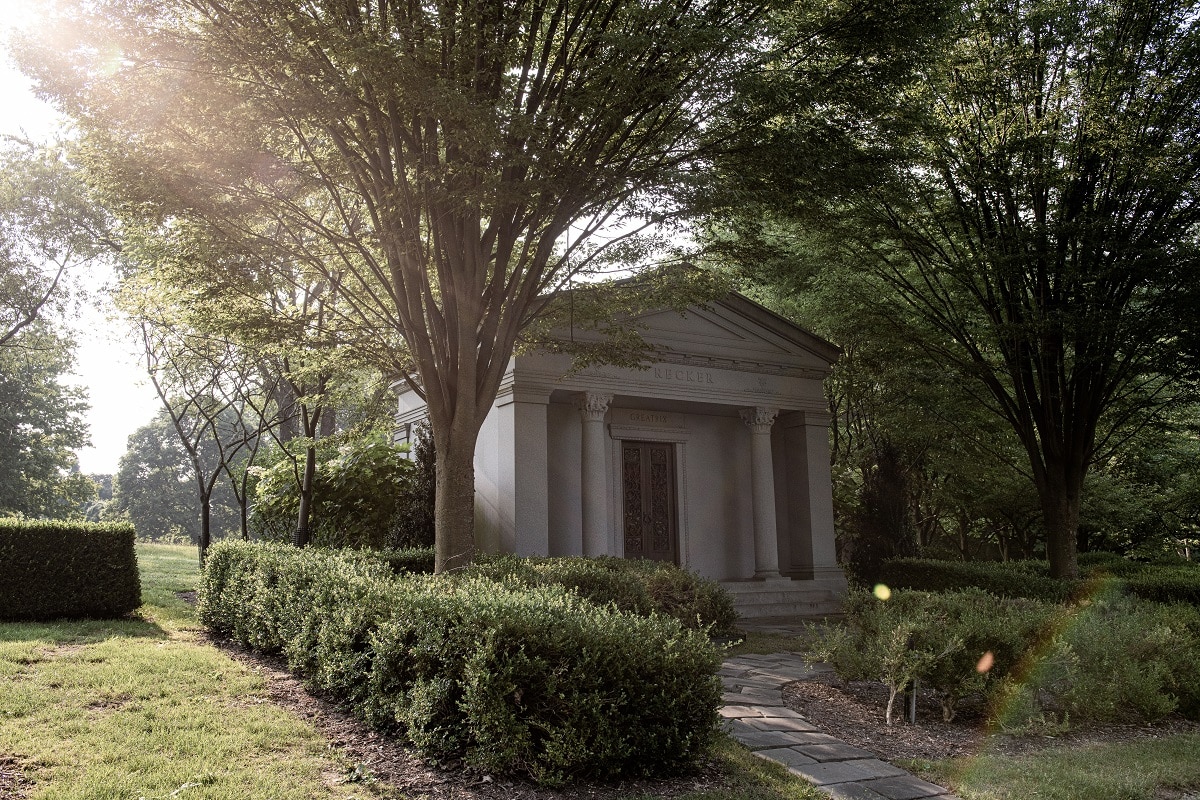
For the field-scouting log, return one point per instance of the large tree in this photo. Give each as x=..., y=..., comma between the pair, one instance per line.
x=1031, y=221
x=453, y=146
x=155, y=487
x=49, y=232
x=41, y=425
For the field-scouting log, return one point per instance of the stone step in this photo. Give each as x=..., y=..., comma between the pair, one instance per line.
x=781, y=598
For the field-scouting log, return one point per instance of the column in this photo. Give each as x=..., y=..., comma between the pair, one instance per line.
x=820, y=490
x=528, y=473
x=762, y=478
x=593, y=473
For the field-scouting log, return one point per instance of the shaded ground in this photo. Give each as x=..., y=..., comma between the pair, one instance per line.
x=854, y=713
x=13, y=783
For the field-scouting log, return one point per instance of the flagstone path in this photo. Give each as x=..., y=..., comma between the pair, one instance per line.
x=755, y=715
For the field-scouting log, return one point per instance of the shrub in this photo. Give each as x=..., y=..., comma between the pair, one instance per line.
x=363, y=492
x=1126, y=659
x=67, y=569
x=513, y=678
x=1011, y=579
x=410, y=561
x=936, y=638
x=1108, y=658
x=1166, y=584
x=635, y=586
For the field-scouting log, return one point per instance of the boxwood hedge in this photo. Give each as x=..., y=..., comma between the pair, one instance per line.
x=519, y=679
x=57, y=569
x=1012, y=579
x=636, y=586
x=1165, y=581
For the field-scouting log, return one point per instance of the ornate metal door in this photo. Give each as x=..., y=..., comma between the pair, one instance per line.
x=648, y=478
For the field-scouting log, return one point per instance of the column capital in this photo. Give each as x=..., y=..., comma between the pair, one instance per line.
x=593, y=406
x=759, y=419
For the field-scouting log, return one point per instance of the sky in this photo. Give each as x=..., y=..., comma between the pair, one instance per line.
x=121, y=398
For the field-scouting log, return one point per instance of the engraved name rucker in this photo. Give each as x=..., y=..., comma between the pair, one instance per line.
x=682, y=375
x=645, y=416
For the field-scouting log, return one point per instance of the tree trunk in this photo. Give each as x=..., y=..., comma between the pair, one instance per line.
x=244, y=507
x=1060, y=508
x=205, y=526
x=454, y=503
x=302, y=535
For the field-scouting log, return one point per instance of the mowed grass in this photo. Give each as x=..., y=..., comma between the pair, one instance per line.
x=1153, y=769
x=143, y=708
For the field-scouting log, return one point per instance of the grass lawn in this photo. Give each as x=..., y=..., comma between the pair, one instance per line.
x=144, y=709
x=1145, y=770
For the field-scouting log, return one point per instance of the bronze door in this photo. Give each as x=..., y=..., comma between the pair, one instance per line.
x=648, y=480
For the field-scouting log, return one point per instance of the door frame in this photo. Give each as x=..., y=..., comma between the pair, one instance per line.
x=616, y=511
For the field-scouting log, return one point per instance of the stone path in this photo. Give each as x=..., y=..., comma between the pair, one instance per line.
x=756, y=716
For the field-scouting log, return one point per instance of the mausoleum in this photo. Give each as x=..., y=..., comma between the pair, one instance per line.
x=715, y=456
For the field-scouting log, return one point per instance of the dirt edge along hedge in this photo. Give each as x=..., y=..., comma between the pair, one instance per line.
x=525, y=680
x=57, y=569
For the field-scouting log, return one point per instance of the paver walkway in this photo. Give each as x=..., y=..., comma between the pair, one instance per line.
x=756, y=716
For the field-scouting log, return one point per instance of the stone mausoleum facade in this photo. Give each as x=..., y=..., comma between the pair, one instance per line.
x=715, y=456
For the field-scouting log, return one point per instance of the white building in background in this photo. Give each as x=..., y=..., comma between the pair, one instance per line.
x=714, y=457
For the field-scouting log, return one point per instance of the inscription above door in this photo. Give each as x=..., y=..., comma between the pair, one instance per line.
x=648, y=481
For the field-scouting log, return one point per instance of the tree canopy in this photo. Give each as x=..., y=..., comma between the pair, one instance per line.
x=438, y=155
x=1028, y=217
x=41, y=426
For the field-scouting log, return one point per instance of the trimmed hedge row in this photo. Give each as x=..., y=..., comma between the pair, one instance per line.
x=1174, y=581
x=634, y=586
x=516, y=679
x=1011, y=579
x=53, y=569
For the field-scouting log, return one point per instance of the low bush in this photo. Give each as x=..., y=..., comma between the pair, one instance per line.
x=531, y=680
x=67, y=569
x=1037, y=665
x=1012, y=579
x=366, y=494
x=635, y=586
x=409, y=561
x=1165, y=584
x=1124, y=659
x=956, y=643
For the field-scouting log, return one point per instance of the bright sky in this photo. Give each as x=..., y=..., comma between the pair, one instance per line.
x=121, y=398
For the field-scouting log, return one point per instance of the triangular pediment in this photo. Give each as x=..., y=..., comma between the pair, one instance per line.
x=735, y=330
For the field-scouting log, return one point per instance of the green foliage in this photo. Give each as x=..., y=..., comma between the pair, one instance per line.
x=59, y=569
x=635, y=586
x=1046, y=243
x=1037, y=665
x=413, y=521
x=1169, y=580
x=49, y=227
x=1166, y=584
x=1127, y=660
x=409, y=561
x=530, y=680
x=1008, y=579
x=155, y=488
x=363, y=490
x=41, y=425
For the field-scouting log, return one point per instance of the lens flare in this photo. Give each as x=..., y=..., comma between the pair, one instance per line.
x=882, y=591
x=986, y=662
